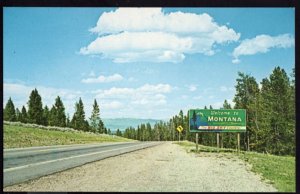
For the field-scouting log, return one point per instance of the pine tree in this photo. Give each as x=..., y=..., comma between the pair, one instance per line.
x=246, y=97
x=118, y=132
x=105, y=130
x=86, y=126
x=52, y=117
x=18, y=115
x=68, y=122
x=78, y=120
x=100, y=126
x=226, y=105
x=95, y=118
x=57, y=114
x=46, y=116
x=281, y=123
x=23, y=117
x=60, y=112
x=35, y=108
x=9, y=111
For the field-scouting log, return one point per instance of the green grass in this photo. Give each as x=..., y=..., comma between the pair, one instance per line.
x=280, y=170
x=20, y=136
x=277, y=170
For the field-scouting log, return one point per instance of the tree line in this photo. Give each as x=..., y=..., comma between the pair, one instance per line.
x=55, y=116
x=270, y=109
x=270, y=118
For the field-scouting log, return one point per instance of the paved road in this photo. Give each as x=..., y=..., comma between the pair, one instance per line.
x=24, y=164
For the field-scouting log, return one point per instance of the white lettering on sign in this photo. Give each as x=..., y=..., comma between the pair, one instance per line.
x=226, y=119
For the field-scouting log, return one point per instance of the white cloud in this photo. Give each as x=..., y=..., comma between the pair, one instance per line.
x=159, y=88
x=103, y=79
x=20, y=95
x=111, y=105
x=149, y=34
x=147, y=94
x=113, y=102
x=157, y=99
x=262, y=44
x=236, y=61
x=192, y=88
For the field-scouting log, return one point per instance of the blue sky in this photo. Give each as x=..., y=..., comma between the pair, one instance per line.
x=141, y=63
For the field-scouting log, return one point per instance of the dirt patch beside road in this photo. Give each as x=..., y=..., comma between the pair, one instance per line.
x=167, y=167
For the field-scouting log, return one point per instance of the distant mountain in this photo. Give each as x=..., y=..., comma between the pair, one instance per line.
x=122, y=123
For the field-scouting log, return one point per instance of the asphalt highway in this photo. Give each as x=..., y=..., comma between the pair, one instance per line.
x=23, y=164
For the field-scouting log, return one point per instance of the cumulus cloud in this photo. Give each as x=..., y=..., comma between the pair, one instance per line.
x=113, y=102
x=20, y=95
x=148, y=34
x=144, y=95
x=262, y=44
x=111, y=105
x=103, y=79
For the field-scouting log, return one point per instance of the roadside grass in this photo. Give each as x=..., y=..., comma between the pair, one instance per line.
x=22, y=136
x=276, y=170
x=191, y=147
x=280, y=170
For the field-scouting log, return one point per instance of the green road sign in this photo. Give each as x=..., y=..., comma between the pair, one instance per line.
x=221, y=120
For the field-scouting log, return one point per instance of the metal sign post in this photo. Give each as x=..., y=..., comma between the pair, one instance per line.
x=179, y=129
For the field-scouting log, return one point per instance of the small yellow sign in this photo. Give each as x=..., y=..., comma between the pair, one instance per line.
x=179, y=128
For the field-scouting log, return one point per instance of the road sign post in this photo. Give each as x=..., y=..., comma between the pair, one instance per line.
x=197, y=142
x=238, y=143
x=218, y=139
x=179, y=129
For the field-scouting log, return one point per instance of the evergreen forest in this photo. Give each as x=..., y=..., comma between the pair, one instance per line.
x=270, y=107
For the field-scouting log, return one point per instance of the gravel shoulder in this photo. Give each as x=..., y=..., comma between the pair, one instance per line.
x=166, y=167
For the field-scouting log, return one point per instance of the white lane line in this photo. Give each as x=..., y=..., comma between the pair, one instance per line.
x=49, y=150
x=13, y=150
x=61, y=159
